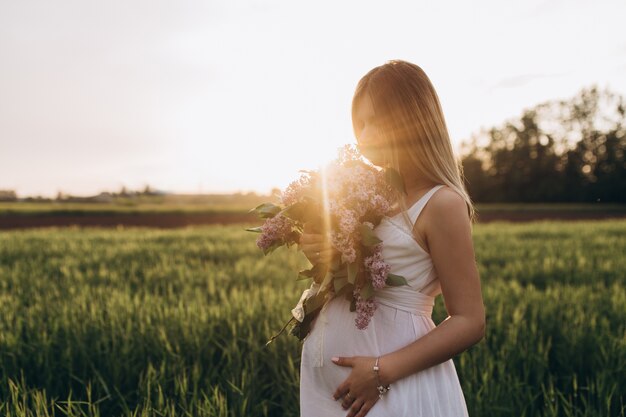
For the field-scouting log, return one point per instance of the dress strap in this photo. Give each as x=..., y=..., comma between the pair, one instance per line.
x=416, y=209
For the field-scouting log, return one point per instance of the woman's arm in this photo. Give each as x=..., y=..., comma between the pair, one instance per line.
x=449, y=237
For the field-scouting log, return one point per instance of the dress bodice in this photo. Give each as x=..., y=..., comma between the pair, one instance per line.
x=408, y=259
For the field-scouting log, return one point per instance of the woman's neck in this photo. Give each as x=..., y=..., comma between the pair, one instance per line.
x=416, y=187
x=416, y=184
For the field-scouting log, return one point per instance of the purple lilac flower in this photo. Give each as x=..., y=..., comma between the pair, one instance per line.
x=275, y=228
x=293, y=192
x=364, y=310
x=377, y=267
x=354, y=190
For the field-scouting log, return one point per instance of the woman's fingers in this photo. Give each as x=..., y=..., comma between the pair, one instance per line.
x=364, y=409
x=355, y=407
x=317, y=254
x=347, y=401
x=316, y=247
x=311, y=243
x=311, y=238
x=325, y=256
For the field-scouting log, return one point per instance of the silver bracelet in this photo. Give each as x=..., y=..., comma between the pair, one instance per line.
x=381, y=389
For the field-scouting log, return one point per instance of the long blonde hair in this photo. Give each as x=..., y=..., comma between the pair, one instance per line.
x=409, y=118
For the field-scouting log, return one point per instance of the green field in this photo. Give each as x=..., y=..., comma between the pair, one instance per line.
x=147, y=322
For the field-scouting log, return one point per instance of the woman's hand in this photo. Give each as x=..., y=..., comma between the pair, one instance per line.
x=316, y=246
x=360, y=389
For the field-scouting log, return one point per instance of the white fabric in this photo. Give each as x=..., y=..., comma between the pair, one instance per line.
x=403, y=315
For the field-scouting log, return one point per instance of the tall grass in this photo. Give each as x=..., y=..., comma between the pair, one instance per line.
x=146, y=322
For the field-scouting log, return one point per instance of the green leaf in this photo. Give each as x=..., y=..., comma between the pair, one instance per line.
x=368, y=236
x=256, y=208
x=348, y=295
x=394, y=178
x=353, y=268
x=302, y=211
x=339, y=283
x=314, y=302
x=300, y=330
x=317, y=272
x=395, y=280
x=266, y=210
x=335, y=262
x=341, y=273
x=345, y=290
x=309, y=273
x=327, y=280
x=273, y=246
x=367, y=291
x=258, y=229
x=292, y=237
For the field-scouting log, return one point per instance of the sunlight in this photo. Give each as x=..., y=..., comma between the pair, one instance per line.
x=326, y=226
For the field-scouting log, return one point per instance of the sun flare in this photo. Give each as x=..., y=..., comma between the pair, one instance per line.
x=326, y=226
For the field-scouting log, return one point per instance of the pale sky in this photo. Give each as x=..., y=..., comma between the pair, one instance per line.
x=226, y=96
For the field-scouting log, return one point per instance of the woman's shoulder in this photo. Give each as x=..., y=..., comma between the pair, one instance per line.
x=447, y=206
x=443, y=209
x=447, y=198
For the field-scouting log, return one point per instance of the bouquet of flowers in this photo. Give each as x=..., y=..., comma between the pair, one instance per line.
x=345, y=201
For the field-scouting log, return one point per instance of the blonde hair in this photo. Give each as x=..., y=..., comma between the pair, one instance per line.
x=409, y=119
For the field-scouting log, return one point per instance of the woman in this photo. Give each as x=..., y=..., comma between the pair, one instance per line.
x=398, y=122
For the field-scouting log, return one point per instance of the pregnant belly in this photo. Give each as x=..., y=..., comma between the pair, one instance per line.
x=334, y=333
x=326, y=339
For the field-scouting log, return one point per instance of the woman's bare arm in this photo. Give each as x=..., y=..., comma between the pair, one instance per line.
x=448, y=232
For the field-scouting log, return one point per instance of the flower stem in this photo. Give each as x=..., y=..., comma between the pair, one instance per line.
x=281, y=330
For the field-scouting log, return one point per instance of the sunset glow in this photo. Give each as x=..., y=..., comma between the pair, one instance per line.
x=239, y=96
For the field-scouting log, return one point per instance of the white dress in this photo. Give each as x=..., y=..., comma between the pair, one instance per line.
x=403, y=315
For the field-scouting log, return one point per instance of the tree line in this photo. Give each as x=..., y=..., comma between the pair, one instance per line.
x=558, y=151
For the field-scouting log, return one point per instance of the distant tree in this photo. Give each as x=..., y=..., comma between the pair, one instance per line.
x=524, y=160
x=595, y=164
x=475, y=179
x=569, y=150
x=8, y=195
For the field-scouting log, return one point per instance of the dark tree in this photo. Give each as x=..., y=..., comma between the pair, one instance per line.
x=557, y=151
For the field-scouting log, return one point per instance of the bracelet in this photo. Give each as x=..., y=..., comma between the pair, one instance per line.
x=381, y=389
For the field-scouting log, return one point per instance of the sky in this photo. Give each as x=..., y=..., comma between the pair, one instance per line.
x=237, y=96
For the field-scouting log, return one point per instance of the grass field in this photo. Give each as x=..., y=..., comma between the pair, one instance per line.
x=147, y=322
x=171, y=205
